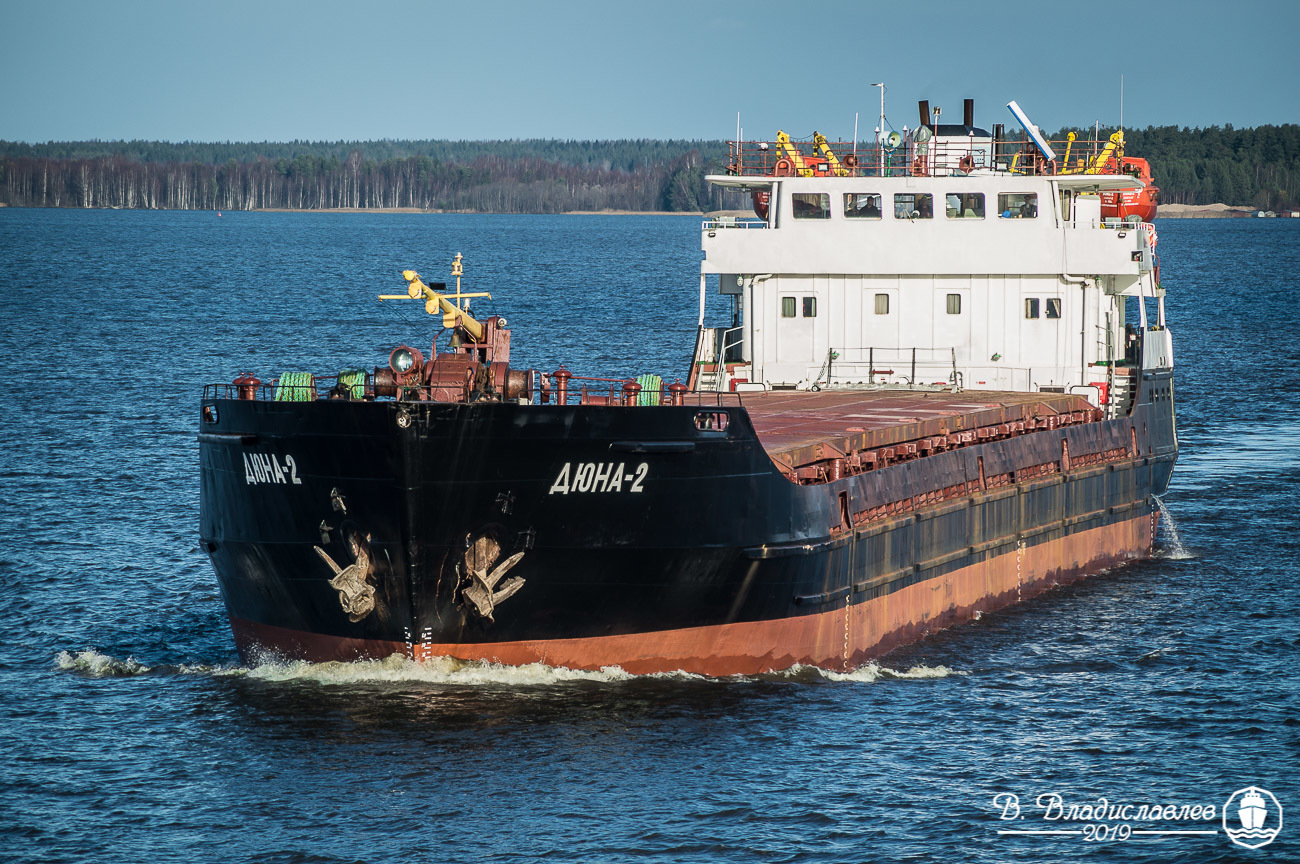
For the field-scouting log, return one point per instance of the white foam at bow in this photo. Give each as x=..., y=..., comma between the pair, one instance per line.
x=450, y=671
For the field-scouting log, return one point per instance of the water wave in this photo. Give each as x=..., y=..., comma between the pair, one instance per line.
x=398, y=668
x=1263, y=448
x=874, y=672
x=93, y=664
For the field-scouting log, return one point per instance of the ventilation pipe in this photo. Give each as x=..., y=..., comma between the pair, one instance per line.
x=968, y=113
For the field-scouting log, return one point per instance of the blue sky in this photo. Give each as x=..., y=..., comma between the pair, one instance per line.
x=327, y=70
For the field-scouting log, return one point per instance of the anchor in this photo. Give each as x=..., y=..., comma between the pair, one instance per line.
x=482, y=592
x=356, y=595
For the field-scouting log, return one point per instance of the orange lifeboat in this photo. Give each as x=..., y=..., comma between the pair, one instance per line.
x=1133, y=202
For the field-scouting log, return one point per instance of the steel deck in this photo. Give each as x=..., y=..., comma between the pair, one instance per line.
x=791, y=423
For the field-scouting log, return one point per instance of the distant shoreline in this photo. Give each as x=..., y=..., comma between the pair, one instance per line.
x=1165, y=211
x=464, y=212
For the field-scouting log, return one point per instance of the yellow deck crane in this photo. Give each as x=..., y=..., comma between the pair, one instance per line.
x=1113, y=150
x=791, y=152
x=454, y=315
x=831, y=159
x=1065, y=162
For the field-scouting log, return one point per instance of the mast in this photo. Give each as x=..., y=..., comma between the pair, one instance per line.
x=880, y=127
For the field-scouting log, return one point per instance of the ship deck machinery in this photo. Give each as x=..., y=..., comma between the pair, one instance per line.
x=816, y=496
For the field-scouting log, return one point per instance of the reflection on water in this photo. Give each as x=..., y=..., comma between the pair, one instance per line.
x=1262, y=448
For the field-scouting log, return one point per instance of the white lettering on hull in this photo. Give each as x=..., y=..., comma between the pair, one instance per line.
x=599, y=477
x=264, y=468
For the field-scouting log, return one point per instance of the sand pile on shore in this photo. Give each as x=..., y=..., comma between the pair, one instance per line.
x=1200, y=211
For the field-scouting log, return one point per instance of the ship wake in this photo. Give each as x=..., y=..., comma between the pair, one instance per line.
x=445, y=671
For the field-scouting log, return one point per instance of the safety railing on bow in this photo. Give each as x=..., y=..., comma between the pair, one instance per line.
x=560, y=388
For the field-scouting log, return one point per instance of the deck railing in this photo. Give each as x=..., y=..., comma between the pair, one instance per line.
x=933, y=158
x=560, y=388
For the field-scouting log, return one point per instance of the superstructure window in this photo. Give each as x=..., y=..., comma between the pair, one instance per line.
x=1017, y=205
x=965, y=205
x=1053, y=307
x=882, y=304
x=810, y=307
x=787, y=307
x=954, y=304
x=918, y=205
x=811, y=205
x=861, y=205
x=1031, y=307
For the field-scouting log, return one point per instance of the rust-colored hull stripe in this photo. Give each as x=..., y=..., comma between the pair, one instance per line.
x=836, y=639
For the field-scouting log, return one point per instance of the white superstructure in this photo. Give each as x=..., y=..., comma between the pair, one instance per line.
x=984, y=280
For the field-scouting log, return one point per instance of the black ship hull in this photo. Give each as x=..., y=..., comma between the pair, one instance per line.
x=590, y=536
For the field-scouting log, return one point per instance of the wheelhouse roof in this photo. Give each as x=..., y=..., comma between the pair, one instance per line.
x=1074, y=182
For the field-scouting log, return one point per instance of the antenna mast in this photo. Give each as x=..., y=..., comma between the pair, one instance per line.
x=880, y=130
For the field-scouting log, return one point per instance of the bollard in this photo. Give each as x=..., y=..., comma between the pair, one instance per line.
x=561, y=377
x=246, y=384
x=630, y=391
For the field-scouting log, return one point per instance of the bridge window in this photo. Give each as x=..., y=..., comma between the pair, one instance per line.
x=954, y=304
x=914, y=206
x=882, y=304
x=810, y=307
x=1017, y=205
x=811, y=205
x=966, y=205
x=787, y=307
x=861, y=206
x=1053, y=307
x=1031, y=307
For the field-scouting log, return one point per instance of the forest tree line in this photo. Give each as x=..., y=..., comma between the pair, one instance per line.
x=311, y=182
x=1258, y=167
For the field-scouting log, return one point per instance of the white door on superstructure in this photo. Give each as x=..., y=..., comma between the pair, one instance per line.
x=796, y=318
x=952, y=316
x=1042, y=327
x=880, y=314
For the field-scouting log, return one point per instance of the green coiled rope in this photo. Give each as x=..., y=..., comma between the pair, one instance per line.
x=353, y=382
x=295, y=387
x=650, y=389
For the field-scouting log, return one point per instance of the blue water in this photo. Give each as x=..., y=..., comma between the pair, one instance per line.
x=129, y=732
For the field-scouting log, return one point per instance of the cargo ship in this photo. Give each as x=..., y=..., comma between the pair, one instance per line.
x=946, y=387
